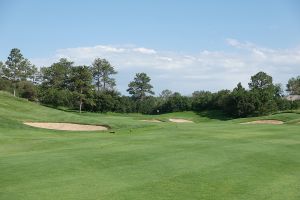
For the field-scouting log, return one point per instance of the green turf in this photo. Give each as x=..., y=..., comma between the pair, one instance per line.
x=214, y=158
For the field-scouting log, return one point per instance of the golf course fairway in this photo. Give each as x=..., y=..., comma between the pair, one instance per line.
x=211, y=158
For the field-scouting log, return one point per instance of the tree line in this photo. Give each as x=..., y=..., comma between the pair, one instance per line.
x=92, y=88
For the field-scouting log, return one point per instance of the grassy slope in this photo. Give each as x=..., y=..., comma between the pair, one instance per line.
x=211, y=159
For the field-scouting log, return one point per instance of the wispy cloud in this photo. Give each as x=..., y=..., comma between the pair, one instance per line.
x=205, y=70
x=144, y=50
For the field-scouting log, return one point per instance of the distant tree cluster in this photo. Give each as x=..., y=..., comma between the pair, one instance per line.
x=92, y=88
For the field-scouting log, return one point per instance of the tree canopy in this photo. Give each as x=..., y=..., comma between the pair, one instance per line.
x=102, y=71
x=293, y=86
x=17, y=68
x=91, y=88
x=140, y=87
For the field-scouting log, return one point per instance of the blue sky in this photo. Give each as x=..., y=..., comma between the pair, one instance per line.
x=183, y=45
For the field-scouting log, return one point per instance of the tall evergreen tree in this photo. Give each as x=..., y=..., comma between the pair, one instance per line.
x=81, y=83
x=262, y=88
x=140, y=87
x=102, y=71
x=17, y=68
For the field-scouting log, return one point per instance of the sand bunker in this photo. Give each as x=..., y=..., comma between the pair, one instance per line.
x=180, y=121
x=66, y=126
x=264, y=122
x=151, y=120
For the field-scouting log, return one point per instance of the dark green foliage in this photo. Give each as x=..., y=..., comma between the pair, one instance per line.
x=147, y=105
x=27, y=90
x=17, y=68
x=175, y=103
x=125, y=104
x=57, y=75
x=295, y=104
x=5, y=85
x=105, y=101
x=165, y=94
x=261, y=81
x=81, y=84
x=102, y=70
x=55, y=97
x=293, y=86
x=202, y=100
x=220, y=99
x=140, y=87
x=264, y=93
x=55, y=88
x=240, y=103
x=1, y=69
x=63, y=84
x=283, y=104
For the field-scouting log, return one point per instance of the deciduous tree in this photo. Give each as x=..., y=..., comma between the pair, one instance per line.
x=293, y=86
x=57, y=75
x=262, y=88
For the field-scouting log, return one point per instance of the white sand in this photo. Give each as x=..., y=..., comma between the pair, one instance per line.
x=66, y=126
x=180, y=121
x=264, y=122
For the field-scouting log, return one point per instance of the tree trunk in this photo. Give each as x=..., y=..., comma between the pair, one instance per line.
x=15, y=86
x=80, y=106
x=98, y=84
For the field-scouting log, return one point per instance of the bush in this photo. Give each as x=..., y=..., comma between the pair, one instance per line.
x=27, y=90
x=283, y=104
x=5, y=85
x=295, y=104
x=56, y=97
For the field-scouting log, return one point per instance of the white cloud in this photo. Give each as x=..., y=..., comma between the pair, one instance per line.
x=206, y=70
x=144, y=50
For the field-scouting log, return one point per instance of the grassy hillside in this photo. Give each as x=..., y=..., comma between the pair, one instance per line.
x=214, y=158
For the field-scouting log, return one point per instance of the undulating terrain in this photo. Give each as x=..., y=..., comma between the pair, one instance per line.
x=212, y=158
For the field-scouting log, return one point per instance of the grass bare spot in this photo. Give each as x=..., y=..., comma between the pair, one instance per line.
x=151, y=120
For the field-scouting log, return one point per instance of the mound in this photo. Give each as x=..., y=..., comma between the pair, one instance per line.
x=180, y=121
x=66, y=126
x=151, y=120
x=264, y=122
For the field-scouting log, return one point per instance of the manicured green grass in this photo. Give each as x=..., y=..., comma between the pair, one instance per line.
x=213, y=158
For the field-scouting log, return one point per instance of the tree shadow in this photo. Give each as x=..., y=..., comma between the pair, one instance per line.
x=60, y=108
x=214, y=114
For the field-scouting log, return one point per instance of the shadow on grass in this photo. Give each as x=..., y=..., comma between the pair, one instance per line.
x=65, y=109
x=214, y=114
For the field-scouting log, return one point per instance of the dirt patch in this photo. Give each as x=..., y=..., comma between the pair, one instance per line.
x=264, y=122
x=66, y=126
x=151, y=120
x=180, y=121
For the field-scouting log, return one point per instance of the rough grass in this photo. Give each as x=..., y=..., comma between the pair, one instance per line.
x=209, y=159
